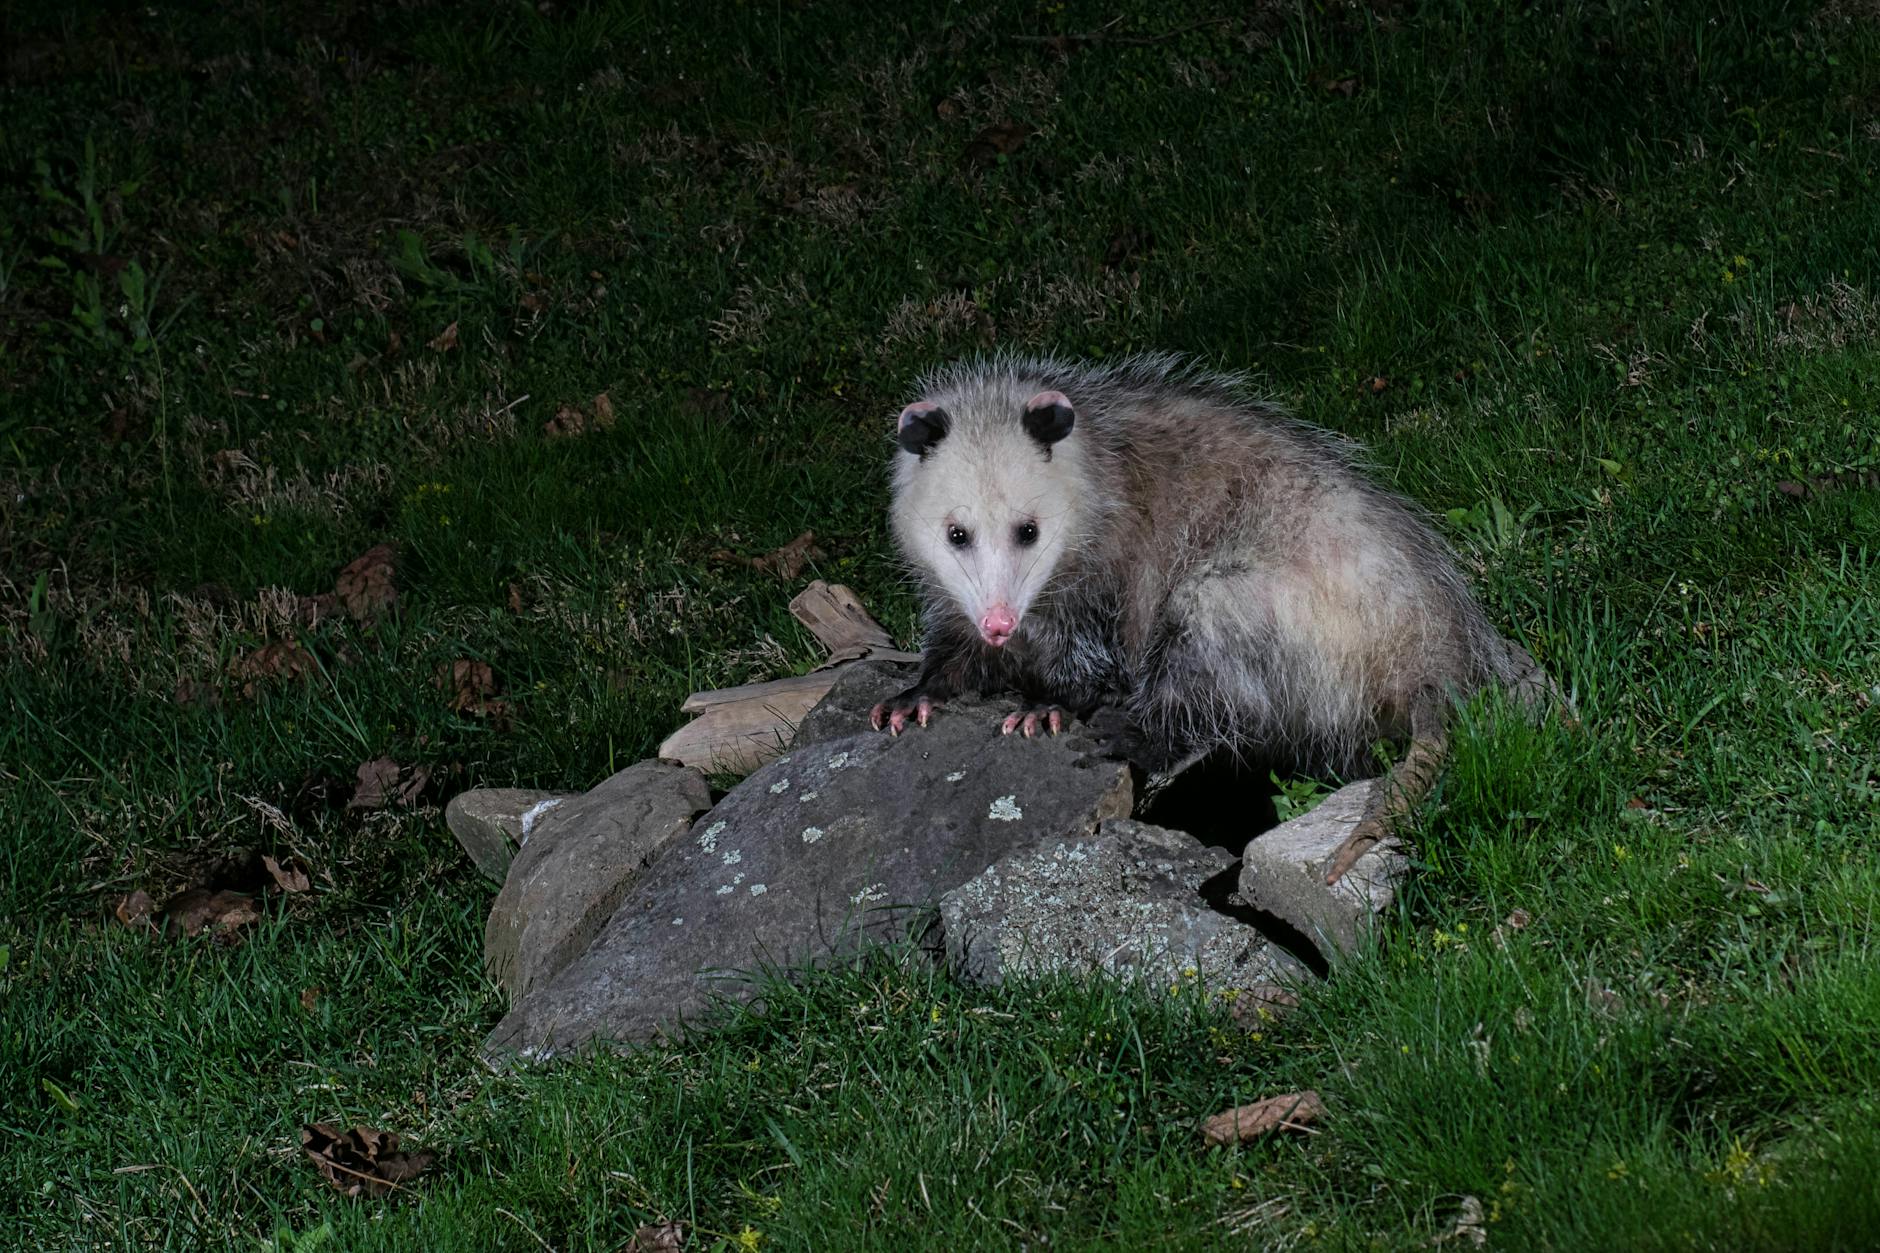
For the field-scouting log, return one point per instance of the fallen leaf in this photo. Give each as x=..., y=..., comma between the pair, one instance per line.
x=471, y=685
x=1602, y=999
x=135, y=909
x=1293, y=1112
x=946, y=108
x=515, y=598
x=1635, y=803
x=786, y=562
x=1469, y=1225
x=567, y=423
x=604, y=411
x=361, y=1161
x=289, y=878
x=383, y=783
x=1346, y=87
x=1261, y=1004
x=446, y=339
x=1126, y=246
x=311, y=611
x=1378, y=383
x=282, y=659
x=1001, y=139
x=198, y=909
x=1517, y=919
x=192, y=694
x=377, y=780
x=367, y=587
x=667, y=1237
x=310, y=999
x=708, y=402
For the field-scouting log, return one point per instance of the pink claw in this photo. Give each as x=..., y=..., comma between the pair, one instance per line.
x=1011, y=723
x=1056, y=719
x=874, y=715
x=897, y=721
x=923, y=711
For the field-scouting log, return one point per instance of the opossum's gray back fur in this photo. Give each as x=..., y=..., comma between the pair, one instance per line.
x=1236, y=579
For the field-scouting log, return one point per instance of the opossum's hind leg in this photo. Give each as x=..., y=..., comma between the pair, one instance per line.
x=1404, y=787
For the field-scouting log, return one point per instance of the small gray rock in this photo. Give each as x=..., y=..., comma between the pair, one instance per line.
x=577, y=862
x=489, y=823
x=1283, y=873
x=834, y=845
x=1125, y=902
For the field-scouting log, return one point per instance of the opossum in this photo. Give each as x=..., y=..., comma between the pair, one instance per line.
x=1146, y=534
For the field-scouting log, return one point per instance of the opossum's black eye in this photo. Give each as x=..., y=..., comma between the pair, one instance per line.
x=1026, y=533
x=959, y=536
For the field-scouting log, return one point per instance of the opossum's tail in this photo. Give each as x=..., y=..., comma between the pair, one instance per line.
x=1515, y=671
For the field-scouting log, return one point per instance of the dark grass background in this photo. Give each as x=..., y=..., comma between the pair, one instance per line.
x=1589, y=281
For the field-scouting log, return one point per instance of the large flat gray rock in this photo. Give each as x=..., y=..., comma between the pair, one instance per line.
x=576, y=864
x=835, y=844
x=1125, y=902
x=1283, y=873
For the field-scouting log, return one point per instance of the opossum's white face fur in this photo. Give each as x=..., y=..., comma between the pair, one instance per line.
x=986, y=498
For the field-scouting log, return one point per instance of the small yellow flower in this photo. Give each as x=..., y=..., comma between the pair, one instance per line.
x=750, y=1239
x=1621, y=853
x=1617, y=1170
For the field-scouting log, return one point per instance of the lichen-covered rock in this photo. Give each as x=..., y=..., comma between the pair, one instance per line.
x=835, y=844
x=577, y=862
x=1127, y=901
x=492, y=822
x=1283, y=873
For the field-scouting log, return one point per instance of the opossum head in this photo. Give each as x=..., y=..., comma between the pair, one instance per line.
x=989, y=498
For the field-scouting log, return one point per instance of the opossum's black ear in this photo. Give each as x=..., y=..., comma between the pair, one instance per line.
x=1049, y=417
x=923, y=424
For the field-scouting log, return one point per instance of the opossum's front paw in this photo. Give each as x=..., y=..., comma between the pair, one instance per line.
x=894, y=712
x=1037, y=718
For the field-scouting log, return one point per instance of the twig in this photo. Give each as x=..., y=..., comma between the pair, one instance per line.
x=1102, y=35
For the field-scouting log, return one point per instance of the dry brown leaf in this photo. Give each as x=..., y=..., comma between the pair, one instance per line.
x=786, y=562
x=515, y=599
x=135, y=909
x=289, y=878
x=1126, y=246
x=1378, y=383
x=282, y=659
x=192, y=694
x=378, y=780
x=446, y=339
x=1517, y=919
x=198, y=909
x=367, y=587
x=604, y=411
x=1293, y=1112
x=567, y=423
x=310, y=999
x=1262, y=1003
x=1001, y=139
x=471, y=685
x=666, y=1237
x=361, y=1161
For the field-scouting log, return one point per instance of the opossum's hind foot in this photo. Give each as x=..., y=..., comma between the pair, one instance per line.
x=1403, y=789
x=1035, y=719
x=893, y=714
x=1394, y=797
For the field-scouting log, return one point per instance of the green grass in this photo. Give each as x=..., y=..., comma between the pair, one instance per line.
x=1612, y=266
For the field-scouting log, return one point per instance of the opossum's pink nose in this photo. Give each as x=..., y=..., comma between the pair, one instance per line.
x=997, y=625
